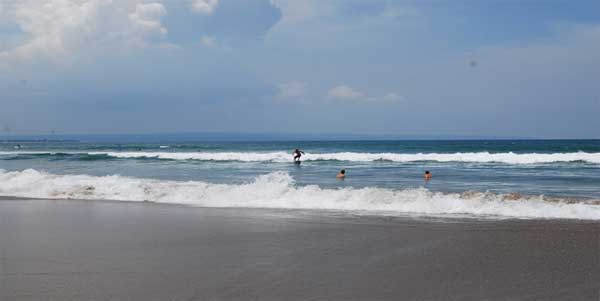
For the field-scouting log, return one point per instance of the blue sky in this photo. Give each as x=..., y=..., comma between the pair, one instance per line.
x=405, y=68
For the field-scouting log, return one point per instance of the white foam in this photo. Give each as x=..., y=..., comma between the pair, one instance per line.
x=277, y=190
x=205, y=156
x=479, y=157
x=26, y=153
x=280, y=156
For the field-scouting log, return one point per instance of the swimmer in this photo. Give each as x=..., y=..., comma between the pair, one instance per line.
x=427, y=175
x=297, y=154
x=341, y=175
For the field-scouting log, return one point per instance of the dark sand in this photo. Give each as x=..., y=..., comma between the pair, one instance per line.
x=77, y=250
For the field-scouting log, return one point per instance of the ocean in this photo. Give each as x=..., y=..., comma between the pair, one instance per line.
x=525, y=179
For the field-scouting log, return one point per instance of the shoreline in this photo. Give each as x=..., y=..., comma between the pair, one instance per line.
x=338, y=213
x=78, y=249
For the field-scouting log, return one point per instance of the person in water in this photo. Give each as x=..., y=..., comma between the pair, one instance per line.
x=341, y=174
x=297, y=154
x=427, y=175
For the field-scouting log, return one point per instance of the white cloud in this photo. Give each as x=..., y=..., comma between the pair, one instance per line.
x=147, y=19
x=60, y=29
x=206, y=7
x=392, y=97
x=208, y=41
x=344, y=92
x=292, y=89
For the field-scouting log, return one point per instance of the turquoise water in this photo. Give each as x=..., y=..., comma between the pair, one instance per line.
x=469, y=177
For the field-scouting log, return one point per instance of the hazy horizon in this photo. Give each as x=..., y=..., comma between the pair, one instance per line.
x=256, y=136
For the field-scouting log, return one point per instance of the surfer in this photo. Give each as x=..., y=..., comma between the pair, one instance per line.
x=297, y=154
x=341, y=175
x=427, y=175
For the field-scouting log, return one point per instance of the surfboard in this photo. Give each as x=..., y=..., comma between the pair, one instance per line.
x=297, y=162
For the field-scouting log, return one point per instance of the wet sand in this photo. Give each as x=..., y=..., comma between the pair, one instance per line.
x=89, y=250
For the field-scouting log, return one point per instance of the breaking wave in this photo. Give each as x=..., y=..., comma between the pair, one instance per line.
x=277, y=190
x=478, y=157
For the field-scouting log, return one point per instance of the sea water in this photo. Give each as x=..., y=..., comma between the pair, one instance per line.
x=483, y=178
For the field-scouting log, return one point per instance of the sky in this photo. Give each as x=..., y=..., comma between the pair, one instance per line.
x=496, y=68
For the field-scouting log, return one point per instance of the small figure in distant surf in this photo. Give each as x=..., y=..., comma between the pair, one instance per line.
x=341, y=175
x=427, y=175
x=297, y=154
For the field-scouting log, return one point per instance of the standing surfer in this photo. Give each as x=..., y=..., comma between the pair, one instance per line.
x=297, y=154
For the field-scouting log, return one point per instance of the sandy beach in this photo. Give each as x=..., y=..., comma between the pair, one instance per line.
x=93, y=250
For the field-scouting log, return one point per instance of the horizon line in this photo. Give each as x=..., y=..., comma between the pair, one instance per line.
x=269, y=136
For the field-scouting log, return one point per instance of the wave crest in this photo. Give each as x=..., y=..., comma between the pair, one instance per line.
x=277, y=190
x=477, y=157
